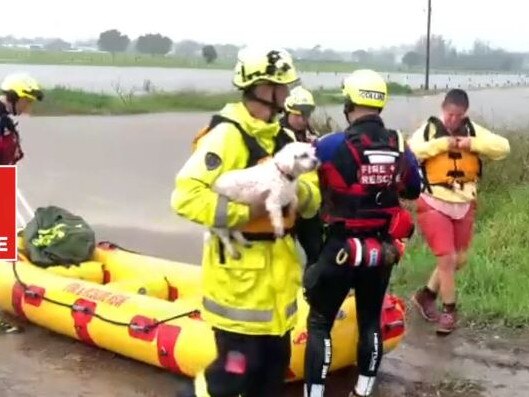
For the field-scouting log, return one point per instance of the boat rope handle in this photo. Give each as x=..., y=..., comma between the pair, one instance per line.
x=145, y=328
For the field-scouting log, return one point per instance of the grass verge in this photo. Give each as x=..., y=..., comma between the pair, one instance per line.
x=64, y=101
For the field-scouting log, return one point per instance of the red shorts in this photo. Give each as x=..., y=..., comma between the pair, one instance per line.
x=443, y=234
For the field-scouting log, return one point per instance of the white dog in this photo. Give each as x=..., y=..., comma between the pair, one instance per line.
x=278, y=176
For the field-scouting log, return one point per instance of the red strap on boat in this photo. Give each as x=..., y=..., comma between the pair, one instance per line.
x=142, y=328
x=82, y=313
x=17, y=296
x=107, y=276
x=166, y=344
x=392, y=319
x=173, y=293
x=33, y=295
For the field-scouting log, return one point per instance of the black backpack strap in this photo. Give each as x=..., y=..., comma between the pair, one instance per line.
x=472, y=133
x=256, y=151
x=281, y=140
x=217, y=119
x=470, y=127
x=440, y=129
x=344, y=161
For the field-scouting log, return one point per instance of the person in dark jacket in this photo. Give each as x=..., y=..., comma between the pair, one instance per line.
x=299, y=107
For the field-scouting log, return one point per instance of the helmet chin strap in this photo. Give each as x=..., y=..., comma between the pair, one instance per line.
x=347, y=108
x=275, y=109
x=14, y=108
x=12, y=99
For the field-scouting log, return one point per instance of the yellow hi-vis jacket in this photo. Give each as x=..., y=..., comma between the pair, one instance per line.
x=257, y=294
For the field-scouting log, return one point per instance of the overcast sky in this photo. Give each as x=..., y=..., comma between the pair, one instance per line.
x=338, y=24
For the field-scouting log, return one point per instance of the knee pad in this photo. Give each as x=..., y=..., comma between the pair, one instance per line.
x=369, y=252
x=312, y=282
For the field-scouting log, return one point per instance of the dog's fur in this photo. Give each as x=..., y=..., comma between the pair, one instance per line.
x=278, y=176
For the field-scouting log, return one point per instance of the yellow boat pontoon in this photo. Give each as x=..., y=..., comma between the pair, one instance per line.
x=148, y=309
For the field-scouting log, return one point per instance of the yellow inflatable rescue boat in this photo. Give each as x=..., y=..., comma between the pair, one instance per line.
x=148, y=309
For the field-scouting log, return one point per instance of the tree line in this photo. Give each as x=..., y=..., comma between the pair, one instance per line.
x=443, y=54
x=114, y=41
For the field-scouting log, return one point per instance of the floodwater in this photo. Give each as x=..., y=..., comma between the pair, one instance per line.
x=110, y=78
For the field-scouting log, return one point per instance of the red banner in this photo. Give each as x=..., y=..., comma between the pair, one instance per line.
x=8, y=213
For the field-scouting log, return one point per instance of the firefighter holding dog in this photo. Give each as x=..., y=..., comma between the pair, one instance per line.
x=250, y=302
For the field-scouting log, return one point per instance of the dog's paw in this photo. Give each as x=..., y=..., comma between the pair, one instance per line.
x=239, y=237
x=233, y=253
x=236, y=255
x=207, y=236
x=279, y=232
x=247, y=243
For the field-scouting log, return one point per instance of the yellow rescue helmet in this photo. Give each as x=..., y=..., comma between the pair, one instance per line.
x=300, y=101
x=23, y=86
x=256, y=66
x=365, y=87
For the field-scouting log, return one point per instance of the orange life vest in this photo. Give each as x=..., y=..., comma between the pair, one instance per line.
x=453, y=166
x=259, y=228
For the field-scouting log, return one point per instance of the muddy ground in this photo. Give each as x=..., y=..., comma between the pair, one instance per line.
x=38, y=363
x=118, y=173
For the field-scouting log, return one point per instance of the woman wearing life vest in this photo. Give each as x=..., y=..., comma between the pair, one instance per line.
x=18, y=91
x=364, y=172
x=251, y=302
x=299, y=107
x=449, y=149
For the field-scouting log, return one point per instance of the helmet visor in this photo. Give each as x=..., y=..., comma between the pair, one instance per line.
x=303, y=110
x=36, y=95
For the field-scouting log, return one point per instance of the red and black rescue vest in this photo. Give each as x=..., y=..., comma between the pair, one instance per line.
x=358, y=185
x=10, y=149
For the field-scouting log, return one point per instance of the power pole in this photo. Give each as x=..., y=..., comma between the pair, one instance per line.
x=427, y=77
